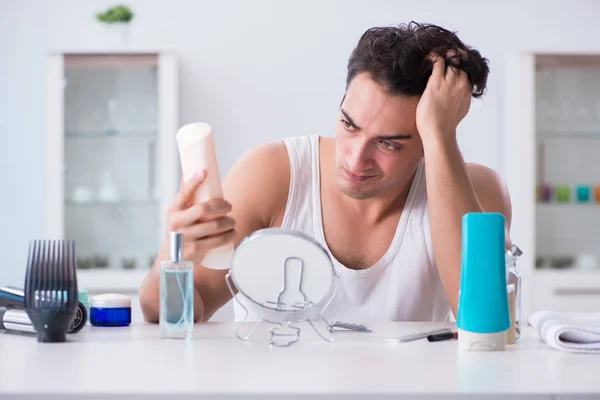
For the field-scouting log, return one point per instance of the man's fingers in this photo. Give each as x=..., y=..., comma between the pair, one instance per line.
x=209, y=229
x=187, y=191
x=208, y=211
x=216, y=207
x=218, y=240
x=438, y=66
x=463, y=76
x=463, y=79
x=452, y=73
x=187, y=217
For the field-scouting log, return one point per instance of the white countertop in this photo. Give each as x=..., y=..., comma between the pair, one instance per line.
x=134, y=360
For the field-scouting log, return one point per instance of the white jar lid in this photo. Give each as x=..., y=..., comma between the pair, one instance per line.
x=110, y=300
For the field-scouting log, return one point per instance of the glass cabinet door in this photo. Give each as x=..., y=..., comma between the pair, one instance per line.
x=111, y=186
x=567, y=120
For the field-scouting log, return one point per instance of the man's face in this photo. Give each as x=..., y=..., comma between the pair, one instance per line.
x=377, y=143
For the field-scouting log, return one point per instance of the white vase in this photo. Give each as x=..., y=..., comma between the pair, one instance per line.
x=117, y=33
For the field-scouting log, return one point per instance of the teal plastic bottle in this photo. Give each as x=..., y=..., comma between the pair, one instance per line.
x=483, y=315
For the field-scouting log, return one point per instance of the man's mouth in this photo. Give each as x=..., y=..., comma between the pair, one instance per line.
x=357, y=178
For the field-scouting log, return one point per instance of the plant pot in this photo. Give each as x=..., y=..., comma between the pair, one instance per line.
x=118, y=33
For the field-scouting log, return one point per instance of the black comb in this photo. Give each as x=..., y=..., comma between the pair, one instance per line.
x=51, y=288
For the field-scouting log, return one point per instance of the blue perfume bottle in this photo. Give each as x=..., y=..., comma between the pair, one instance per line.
x=483, y=314
x=176, y=318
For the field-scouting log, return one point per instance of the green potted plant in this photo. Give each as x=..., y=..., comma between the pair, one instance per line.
x=116, y=14
x=117, y=19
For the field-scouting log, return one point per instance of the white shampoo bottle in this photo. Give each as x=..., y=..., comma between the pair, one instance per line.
x=197, y=153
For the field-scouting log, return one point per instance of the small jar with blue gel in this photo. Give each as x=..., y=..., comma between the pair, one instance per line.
x=110, y=310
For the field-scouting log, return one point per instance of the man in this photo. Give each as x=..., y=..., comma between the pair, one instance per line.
x=385, y=197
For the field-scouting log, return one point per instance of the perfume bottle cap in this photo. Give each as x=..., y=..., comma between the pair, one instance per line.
x=516, y=251
x=176, y=246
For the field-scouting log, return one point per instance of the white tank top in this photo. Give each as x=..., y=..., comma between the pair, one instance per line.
x=404, y=285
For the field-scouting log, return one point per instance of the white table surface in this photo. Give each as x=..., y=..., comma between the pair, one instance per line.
x=134, y=360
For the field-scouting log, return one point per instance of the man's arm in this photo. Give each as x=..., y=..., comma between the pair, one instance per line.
x=453, y=187
x=256, y=187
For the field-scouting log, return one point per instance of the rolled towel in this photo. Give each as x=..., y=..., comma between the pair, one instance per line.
x=573, y=332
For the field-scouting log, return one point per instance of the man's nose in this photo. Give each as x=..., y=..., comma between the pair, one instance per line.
x=358, y=157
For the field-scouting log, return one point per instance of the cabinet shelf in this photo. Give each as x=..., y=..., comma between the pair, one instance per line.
x=120, y=203
x=550, y=143
x=579, y=134
x=565, y=205
x=111, y=280
x=110, y=134
x=116, y=134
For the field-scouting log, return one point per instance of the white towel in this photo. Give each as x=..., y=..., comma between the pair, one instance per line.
x=574, y=332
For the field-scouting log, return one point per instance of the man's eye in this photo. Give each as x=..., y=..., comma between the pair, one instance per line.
x=347, y=125
x=390, y=146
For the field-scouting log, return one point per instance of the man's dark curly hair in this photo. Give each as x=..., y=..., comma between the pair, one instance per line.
x=397, y=58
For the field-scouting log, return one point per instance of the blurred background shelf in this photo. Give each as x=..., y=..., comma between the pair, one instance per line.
x=569, y=289
x=119, y=203
x=569, y=207
x=111, y=161
x=553, y=168
x=110, y=280
x=112, y=135
x=579, y=134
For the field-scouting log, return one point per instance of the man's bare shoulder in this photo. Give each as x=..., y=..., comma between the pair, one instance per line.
x=270, y=159
x=259, y=181
x=485, y=178
x=491, y=190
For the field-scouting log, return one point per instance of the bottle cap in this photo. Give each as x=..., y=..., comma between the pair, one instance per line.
x=191, y=133
x=517, y=252
x=176, y=246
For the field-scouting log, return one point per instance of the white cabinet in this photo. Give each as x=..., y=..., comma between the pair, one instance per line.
x=553, y=173
x=111, y=161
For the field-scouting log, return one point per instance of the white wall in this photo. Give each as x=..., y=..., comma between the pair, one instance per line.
x=256, y=70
